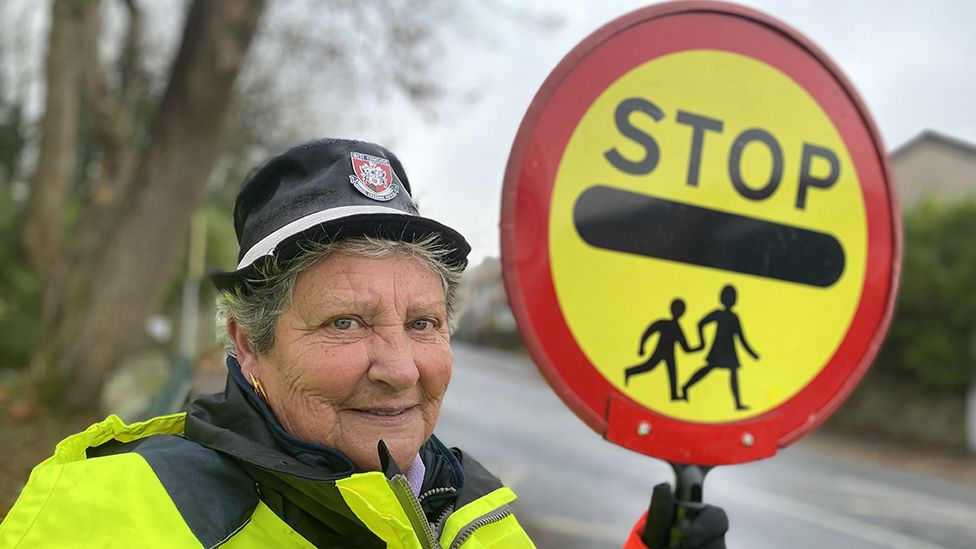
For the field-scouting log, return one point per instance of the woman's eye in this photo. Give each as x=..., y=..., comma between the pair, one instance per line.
x=343, y=323
x=422, y=324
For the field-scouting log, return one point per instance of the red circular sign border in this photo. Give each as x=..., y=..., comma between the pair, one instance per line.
x=524, y=234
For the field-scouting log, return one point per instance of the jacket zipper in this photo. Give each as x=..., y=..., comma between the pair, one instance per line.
x=438, y=525
x=468, y=530
x=411, y=505
x=434, y=491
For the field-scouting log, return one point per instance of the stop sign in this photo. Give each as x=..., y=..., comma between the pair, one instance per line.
x=699, y=238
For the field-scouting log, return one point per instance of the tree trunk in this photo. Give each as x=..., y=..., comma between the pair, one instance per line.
x=41, y=225
x=110, y=298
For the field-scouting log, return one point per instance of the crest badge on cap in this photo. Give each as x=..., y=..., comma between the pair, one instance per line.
x=374, y=177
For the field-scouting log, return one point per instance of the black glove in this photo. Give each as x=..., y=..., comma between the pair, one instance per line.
x=694, y=525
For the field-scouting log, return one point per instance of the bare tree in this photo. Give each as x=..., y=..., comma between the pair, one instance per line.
x=121, y=171
x=100, y=284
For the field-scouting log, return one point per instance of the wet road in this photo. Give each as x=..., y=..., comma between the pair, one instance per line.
x=578, y=491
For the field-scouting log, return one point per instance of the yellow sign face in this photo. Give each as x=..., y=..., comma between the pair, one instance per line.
x=719, y=314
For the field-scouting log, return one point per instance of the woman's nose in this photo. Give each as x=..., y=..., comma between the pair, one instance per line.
x=392, y=361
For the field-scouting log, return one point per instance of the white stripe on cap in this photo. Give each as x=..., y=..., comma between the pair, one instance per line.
x=267, y=245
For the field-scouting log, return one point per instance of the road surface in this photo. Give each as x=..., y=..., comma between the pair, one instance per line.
x=577, y=491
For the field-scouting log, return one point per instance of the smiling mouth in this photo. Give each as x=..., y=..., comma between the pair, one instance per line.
x=386, y=412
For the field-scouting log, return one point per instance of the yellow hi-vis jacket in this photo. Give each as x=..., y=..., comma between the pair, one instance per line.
x=149, y=485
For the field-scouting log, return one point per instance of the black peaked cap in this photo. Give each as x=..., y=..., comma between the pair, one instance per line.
x=330, y=189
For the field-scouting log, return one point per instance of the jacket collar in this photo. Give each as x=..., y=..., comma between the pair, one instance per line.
x=239, y=423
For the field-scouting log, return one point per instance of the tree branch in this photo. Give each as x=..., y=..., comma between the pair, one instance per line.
x=133, y=76
x=109, y=118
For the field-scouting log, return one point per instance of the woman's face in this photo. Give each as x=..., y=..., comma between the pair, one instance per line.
x=363, y=354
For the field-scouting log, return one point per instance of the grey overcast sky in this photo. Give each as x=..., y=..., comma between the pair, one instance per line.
x=913, y=62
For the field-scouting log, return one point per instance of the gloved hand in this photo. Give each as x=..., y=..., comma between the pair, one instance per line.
x=698, y=526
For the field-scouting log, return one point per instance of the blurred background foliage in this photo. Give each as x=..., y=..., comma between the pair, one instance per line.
x=916, y=391
x=932, y=340
x=18, y=286
x=19, y=308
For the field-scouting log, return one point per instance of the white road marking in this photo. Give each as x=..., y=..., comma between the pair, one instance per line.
x=892, y=495
x=870, y=498
x=901, y=511
x=824, y=518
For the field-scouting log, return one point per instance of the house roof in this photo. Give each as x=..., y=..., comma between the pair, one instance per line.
x=932, y=136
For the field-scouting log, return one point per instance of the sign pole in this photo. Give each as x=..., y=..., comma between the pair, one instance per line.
x=688, y=490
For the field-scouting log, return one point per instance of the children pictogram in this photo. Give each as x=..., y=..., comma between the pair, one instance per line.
x=669, y=333
x=723, y=352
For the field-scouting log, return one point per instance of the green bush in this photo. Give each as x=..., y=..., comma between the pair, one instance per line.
x=19, y=308
x=932, y=341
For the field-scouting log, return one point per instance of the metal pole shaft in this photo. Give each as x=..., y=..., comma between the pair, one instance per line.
x=689, y=488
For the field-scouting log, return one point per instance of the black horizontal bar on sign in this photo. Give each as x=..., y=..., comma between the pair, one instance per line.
x=633, y=223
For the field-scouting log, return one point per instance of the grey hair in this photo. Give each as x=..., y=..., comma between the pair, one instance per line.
x=256, y=303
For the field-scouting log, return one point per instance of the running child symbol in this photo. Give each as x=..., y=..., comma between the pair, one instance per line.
x=670, y=333
x=723, y=353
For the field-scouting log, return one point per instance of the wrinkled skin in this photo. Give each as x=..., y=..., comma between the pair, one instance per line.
x=362, y=354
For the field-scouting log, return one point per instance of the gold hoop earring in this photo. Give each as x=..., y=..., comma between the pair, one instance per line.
x=257, y=387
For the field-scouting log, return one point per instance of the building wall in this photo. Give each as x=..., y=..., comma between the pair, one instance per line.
x=934, y=165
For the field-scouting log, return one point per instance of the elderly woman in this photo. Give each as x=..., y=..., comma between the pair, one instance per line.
x=340, y=356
